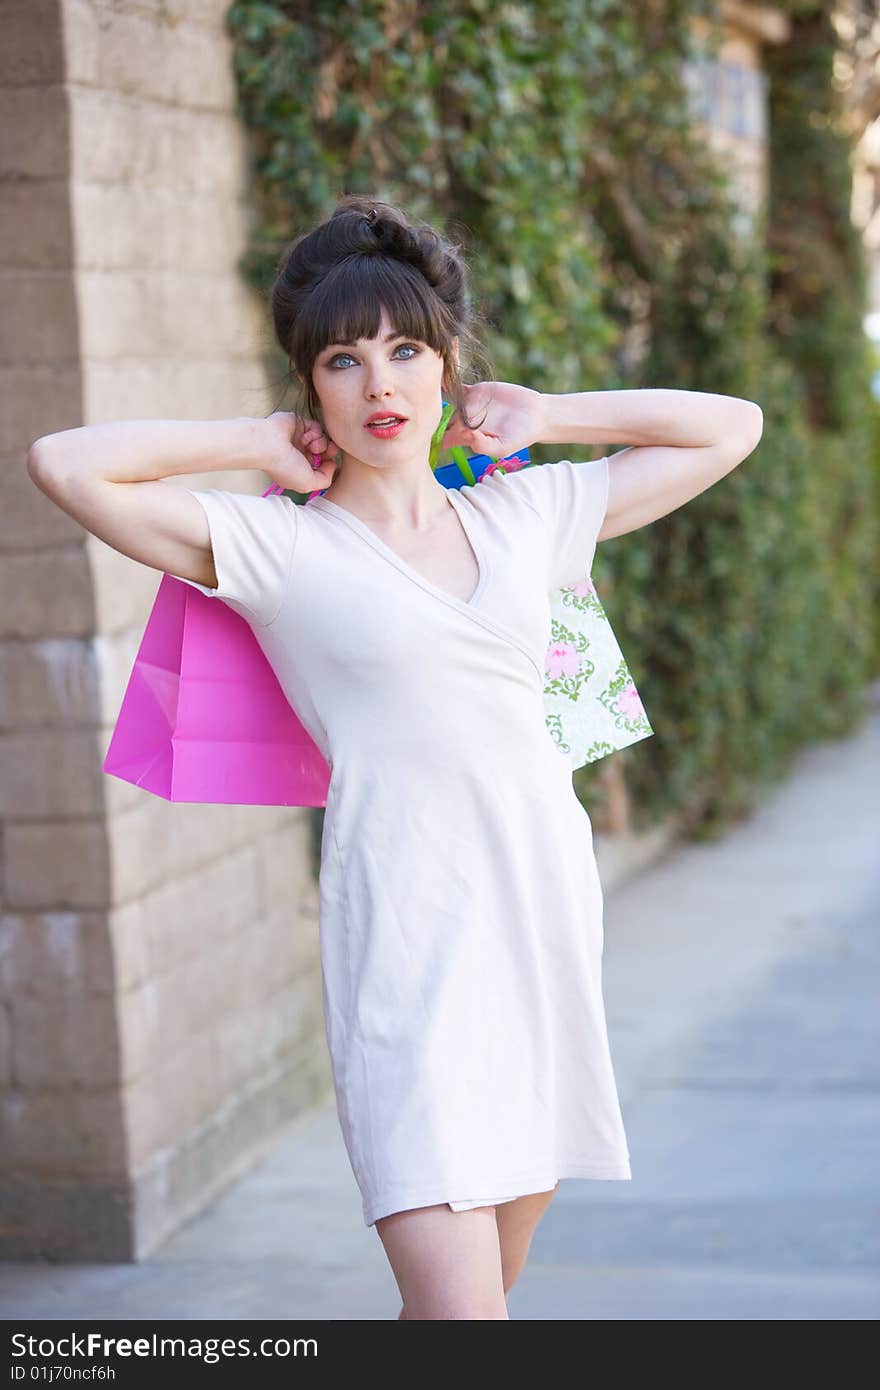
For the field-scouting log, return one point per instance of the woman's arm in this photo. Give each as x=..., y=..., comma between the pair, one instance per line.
x=135, y=451
x=685, y=441
x=653, y=415
x=110, y=478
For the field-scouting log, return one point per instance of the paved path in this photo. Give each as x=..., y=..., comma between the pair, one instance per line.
x=741, y=983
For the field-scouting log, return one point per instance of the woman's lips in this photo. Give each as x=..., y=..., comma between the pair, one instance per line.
x=386, y=431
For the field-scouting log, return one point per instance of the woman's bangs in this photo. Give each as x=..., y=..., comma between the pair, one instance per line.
x=348, y=304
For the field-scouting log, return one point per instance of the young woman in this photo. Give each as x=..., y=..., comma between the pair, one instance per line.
x=460, y=906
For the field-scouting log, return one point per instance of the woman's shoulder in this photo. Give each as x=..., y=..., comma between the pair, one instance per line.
x=496, y=491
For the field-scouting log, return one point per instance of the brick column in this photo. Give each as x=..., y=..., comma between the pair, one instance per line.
x=160, y=997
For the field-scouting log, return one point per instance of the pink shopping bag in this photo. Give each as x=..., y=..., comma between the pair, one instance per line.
x=204, y=718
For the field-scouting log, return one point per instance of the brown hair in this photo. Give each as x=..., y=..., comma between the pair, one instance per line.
x=332, y=282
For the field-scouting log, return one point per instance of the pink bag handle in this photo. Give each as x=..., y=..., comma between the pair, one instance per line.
x=276, y=487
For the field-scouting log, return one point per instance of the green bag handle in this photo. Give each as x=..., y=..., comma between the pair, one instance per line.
x=437, y=436
x=458, y=454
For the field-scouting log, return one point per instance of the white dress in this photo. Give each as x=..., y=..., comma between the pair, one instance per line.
x=460, y=924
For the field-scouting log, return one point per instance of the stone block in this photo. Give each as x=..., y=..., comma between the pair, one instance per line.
x=179, y=388
x=50, y=772
x=36, y=224
x=143, y=56
x=66, y=1041
x=33, y=131
x=142, y=1046
x=129, y=148
x=56, y=955
x=38, y=400
x=56, y=864
x=29, y=520
x=166, y=1107
x=268, y=1026
x=62, y=1133
x=129, y=946
x=191, y=998
x=32, y=50
x=146, y=231
x=40, y=316
x=159, y=841
x=174, y=1184
x=46, y=593
x=66, y=1220
x=176, y=313
x=48, y=683
x=198, y=910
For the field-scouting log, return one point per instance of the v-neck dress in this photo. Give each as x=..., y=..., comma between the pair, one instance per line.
x=460, y=907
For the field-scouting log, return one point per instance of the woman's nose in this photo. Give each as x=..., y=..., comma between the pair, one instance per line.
x=378, y=382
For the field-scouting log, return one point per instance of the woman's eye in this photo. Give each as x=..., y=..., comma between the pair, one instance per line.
x=411, y=347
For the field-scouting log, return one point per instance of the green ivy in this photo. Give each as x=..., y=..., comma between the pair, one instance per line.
x=556, y=135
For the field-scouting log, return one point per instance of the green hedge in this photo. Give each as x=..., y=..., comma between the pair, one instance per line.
x=557, y=135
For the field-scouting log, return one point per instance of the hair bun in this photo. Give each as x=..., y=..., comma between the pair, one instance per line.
x=393, y=238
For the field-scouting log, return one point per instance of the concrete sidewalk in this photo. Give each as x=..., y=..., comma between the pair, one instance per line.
x=741, y=984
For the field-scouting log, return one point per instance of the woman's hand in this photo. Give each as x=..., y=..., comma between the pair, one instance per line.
x=299, y=455
x=513, y=419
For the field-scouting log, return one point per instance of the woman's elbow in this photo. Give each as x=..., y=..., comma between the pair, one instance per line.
x=753, y=426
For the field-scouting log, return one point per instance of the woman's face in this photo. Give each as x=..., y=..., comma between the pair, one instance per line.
x=401, y=376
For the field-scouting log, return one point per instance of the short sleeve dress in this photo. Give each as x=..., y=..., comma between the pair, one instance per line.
x=460, y=907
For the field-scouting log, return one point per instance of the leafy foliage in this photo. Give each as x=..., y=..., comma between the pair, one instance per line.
x=607, y=252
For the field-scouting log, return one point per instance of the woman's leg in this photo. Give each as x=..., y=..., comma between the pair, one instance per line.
x=447, y=1263
x=517, y=1222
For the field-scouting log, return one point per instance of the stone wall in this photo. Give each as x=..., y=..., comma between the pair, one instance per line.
x=160, y=998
